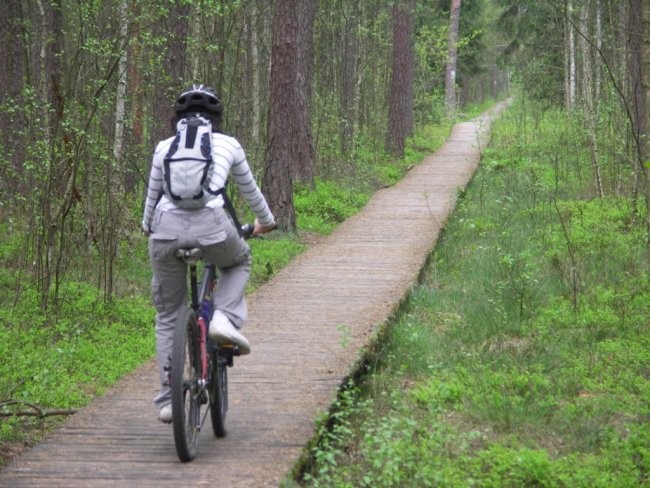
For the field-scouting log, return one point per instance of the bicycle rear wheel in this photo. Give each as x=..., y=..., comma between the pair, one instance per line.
x=186, y=405
x=219, y=392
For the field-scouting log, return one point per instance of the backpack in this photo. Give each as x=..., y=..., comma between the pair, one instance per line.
x=187, y=166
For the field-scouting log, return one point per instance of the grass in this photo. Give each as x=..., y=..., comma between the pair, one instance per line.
x=522, y=359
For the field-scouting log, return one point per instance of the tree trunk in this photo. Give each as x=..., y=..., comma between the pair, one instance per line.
x=12, y=74
x=639, y=82
x=570, y=58
x=349, y=77
x=640, y=30
x=50, y=56
x=136, y=135
x=302, y=167
x=115, y=174
x=599, y=48
x=277, y=183
x=589, y=101
x=400, y=109
x=255, y=79
x=120, y=97
x=452, y=57
x=176, y=31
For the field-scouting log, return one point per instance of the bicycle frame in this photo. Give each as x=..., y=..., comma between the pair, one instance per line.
x=201, y=303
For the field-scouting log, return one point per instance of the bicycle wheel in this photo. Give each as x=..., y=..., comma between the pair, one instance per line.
x=186, y=415
x=219, y=392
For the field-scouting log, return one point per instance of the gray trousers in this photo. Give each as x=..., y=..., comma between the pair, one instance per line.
x=212, y=230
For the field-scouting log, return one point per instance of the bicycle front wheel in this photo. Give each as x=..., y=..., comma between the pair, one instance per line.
x=186, y=405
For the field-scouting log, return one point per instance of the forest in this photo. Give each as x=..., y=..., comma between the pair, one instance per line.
x=88, y=89
x=333, y=100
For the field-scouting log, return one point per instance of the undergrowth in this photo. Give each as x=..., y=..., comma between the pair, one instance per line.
x=522, y=358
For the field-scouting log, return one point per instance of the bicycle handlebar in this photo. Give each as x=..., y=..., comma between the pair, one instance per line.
x=247, y=230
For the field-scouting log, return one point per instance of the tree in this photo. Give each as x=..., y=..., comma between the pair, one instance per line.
x=115, y=173
x=61, y=172
x=302, y=167
x=400, y=108
x=452, y=57
x=349, y=74
x=175, y=35
x=11, y=82
x=645, y=136
x=639, y=78
x=588, y=90
x=289, y=144
x=569, y=58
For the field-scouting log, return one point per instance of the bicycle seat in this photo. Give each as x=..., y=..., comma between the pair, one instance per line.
x=189, y=253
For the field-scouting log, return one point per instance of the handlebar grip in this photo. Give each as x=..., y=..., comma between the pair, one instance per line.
x=247, y=230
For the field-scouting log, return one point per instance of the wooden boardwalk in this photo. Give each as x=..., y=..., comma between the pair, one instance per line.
x=306, y=328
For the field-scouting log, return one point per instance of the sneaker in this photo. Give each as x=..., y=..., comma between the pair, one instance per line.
x=223, y=331
x=165, y=414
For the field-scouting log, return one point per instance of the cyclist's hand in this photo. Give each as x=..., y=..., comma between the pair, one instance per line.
x=261, y=229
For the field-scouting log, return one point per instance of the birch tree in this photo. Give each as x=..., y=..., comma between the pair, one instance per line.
x=452, y=56
x=588, y=90
x=115, y=173
x=570, y=57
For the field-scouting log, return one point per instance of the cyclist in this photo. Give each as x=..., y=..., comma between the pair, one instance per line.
x=210, y=228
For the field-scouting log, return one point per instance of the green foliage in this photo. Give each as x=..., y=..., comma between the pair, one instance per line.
x=533, y=32
x=600, y=236
x=326, y=206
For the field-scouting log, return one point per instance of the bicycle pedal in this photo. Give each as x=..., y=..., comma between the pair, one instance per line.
x=203, y=398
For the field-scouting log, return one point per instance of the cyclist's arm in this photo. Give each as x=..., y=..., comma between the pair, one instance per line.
x=243, y=177
x=261, y=229
x=154, y=188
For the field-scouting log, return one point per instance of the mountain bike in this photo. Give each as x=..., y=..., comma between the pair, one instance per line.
x=198, y=368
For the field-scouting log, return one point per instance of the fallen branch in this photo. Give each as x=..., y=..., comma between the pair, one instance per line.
x=36, y=411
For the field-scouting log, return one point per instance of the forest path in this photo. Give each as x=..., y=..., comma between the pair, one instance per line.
x=307, y=327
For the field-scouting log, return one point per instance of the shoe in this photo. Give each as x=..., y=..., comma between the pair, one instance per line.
x=165, y=414
x=223, y=331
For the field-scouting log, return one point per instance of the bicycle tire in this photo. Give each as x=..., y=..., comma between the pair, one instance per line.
x=219, y=393
x=186, y=406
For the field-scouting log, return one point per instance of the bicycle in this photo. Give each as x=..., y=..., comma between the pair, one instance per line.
x=203, y=364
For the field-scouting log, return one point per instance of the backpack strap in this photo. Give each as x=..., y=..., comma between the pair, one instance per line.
x=227, y=204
